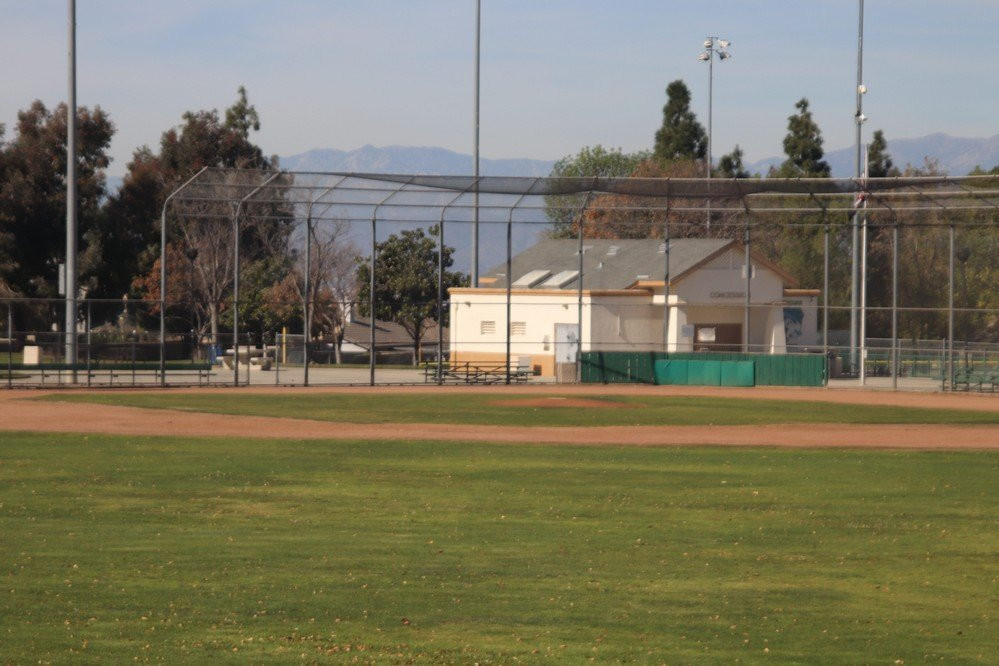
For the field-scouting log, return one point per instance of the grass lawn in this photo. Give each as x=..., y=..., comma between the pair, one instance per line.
x=183, y=550
x=496, y=409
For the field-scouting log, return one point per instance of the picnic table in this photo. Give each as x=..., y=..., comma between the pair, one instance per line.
x=470, y=372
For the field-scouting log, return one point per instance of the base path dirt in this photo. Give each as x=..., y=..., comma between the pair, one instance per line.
x=19, y=411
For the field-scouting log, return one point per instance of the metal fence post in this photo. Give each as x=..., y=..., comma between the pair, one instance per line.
x=371, y=298
x=277, y=361
x=509, y=286
x=894, y=306
x=10, y=348
x=371, y=284
x=825, y=291
x=89, y=340
x=666, y=283
x=950, y=309
x=509, y=279
x=579, y=307
x=862, y=335
x=307, y=319
x=749, y=277
x=579, y=294
x=235, y=300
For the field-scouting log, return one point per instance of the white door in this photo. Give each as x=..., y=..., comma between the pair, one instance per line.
x=566, y=351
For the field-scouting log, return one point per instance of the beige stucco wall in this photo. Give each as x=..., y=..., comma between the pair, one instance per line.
x=538, y=313
x=714, y=294
x=723, y=282
x=625, y=324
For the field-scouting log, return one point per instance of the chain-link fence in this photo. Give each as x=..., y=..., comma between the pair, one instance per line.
x=295, y=279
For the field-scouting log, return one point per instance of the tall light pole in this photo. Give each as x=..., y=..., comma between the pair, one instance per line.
x=475, y=148
x=713, y=46
x=858, y=171
x=70, y=279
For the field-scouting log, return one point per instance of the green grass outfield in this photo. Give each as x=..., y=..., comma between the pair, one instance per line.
x=494, y=409
x=197, y=550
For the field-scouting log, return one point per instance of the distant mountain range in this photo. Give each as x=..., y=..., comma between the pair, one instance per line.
x=956, y=156
x=410, y=159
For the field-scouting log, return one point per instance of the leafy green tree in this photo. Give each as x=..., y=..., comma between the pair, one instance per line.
x=33, y=194
x=879, y=162
x=731, y=166
x=803, y=146
x=595, y=161
x=202, y=140
x=8, y=243
x=406, y=282
x=681, y=137
x=129, y=234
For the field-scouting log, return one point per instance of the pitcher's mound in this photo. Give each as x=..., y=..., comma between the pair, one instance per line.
x=562, y=401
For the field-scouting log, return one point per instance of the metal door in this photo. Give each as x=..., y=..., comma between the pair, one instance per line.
x=566, y=352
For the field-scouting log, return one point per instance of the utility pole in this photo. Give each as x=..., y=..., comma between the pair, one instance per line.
x=475, y=148
x=71, y=197
x=859, y=119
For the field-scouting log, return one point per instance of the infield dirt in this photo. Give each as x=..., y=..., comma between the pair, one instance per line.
x=20, y=412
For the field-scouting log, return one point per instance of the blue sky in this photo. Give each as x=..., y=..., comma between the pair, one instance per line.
x=556, y=74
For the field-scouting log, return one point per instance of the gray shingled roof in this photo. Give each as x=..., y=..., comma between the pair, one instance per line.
x=605, y=267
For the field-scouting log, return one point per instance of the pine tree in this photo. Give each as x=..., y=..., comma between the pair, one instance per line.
x=803, y=146
x=731, y=166
x=681, y=137
x=879, y=163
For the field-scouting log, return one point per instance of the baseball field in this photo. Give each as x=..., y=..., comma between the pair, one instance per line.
x=649, y=524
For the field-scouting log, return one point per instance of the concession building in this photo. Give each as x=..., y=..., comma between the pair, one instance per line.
x=546, y=316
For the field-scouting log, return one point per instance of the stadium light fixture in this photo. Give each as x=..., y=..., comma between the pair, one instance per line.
x=712, y=46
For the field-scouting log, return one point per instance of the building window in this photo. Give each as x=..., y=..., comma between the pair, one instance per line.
x=487, y=327
x=518, y=328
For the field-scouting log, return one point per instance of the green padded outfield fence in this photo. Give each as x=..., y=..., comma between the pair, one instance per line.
x=704, y=373
x=768, y=369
